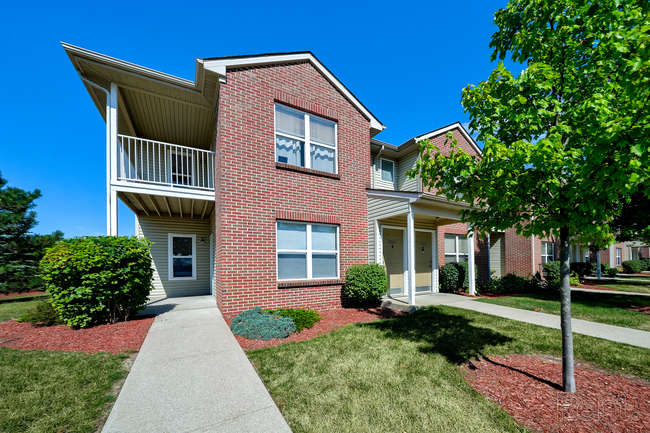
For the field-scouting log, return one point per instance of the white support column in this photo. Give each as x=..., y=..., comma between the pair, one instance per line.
x=410, y=256
x=612, y=256
x=436, y=266
x=112, y=119
x=470, y=261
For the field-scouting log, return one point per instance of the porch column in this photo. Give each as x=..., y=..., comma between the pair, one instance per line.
x=410, y=256
x=470, y=261
x=113, y=159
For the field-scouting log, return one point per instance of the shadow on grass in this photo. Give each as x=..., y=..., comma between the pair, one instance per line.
x=591, y=299
x=451, y=336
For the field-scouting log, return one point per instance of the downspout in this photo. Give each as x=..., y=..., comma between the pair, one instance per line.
x=108, y=147
x=374, y=158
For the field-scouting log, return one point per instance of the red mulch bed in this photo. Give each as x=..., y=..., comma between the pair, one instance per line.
x=115, y=338
x=331, y=320
x=529, y=389
x=588, y=284
x=12, y=295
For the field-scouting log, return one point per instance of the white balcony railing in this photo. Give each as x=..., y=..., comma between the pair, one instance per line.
x=148, y=161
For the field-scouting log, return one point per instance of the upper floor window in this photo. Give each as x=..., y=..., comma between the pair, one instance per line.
x=548, y=252
x=305, y=140
x=307, y=251
x=455, y=248
x=387, y=170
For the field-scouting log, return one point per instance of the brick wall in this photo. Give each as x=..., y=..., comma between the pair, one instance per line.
x=251, y=188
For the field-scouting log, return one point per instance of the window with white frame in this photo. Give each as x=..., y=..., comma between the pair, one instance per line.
x=307, y=251
x=387, y=170
x=548, y=252
x=618, y=257
x=182, y=256
x=455, y=248
x=305, y=140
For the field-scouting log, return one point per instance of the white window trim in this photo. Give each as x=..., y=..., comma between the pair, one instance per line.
x=618, y=256
x=381, y=169
x=171, y=257
x=457, y=254
x=307, y=139
x=549, y=257
x=309, y=252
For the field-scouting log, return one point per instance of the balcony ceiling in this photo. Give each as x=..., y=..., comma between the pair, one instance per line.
x=167, y=207
x=151, y=104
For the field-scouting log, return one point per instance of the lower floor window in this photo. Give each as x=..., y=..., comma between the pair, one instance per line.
x=307, y=251
x=182, y=256
x=548, y=252
x=618, y=257
x=455, y=248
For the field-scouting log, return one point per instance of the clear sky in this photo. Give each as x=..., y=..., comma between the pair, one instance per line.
x=406, y=61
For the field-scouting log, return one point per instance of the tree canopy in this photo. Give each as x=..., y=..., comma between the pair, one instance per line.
x=566, y=140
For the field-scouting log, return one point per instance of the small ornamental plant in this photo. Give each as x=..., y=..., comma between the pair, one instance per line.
x=262, y=325
x=365, y=283
x=303, y=319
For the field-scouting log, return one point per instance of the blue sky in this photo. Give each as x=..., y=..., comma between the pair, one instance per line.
x=406, y=63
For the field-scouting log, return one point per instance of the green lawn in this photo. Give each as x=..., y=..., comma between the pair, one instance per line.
x=16, y=308
x=55, y=391
x=627, y=286
x=596, y=307
x=402, y=374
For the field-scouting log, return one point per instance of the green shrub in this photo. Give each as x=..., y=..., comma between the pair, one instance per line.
x=574, y=279
x=100, y=279
x=454, y=276
x=582, y=268
x=552, y=271
x=262, y=325
x=647, y=263
x=303, y=319
x=511, y=283
x=611, y=272
x=634, y=266
x=43, y=313
x=603, y=267
x=365, y=283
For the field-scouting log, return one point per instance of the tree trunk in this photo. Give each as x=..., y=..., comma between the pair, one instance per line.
x=568, y=379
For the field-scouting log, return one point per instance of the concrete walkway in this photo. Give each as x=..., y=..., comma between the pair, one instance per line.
x=191, y=375
x=618, y=334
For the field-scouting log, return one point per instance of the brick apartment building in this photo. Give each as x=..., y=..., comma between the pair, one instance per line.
x=260, y=183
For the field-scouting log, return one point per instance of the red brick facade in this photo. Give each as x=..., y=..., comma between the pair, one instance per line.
x=253, y=192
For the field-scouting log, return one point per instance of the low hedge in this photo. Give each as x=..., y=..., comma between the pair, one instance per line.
x=582, y=268
x=98, y=279
x=552, y=271
x=303, y=319
x=365, y=283
x=262, y=325
x=454, y=276
x=634, y=266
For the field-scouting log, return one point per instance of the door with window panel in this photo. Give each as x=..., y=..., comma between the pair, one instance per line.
x=182, y=260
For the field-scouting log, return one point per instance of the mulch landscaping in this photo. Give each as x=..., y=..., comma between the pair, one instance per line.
x=529, y=388
x=115, y=338
x=331, y=320
x=13, y=295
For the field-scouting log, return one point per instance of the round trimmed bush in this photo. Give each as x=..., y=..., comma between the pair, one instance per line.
x=552, y=271
x=365, y=283
x=98, y=279
x=634, y=266
x=454, y=276
x=262, y=325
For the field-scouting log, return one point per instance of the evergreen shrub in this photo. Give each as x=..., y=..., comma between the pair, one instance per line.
x=98, y=279
x=303, y=319
x=552, y=271
x=583, y=268
x=365, y=283
x=611, y=272
x=454, y=276
x=44, y=313
x=634, y=266
x=262, y=325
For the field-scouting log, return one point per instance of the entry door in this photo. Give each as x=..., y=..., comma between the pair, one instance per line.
x=423, y=263
x=497, y=254
x=393, y=246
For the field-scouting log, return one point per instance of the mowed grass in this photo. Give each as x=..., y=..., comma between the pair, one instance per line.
x=595, y=307
x=44, y=391
x=16, y=308
x=403, y=374
x=628, y=286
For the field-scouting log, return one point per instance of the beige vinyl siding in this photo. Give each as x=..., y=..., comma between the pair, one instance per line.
x=380, y=208
x=157, y=231
x=497, y=254
x=379, y=183
x=403, y=165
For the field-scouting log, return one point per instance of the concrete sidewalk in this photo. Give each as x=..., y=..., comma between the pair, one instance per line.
x=191, y=375
x=618, y=334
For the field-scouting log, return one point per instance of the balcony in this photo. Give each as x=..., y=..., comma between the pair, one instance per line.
x=164, y=166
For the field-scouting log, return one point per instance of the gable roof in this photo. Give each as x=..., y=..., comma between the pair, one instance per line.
x=219, y=65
